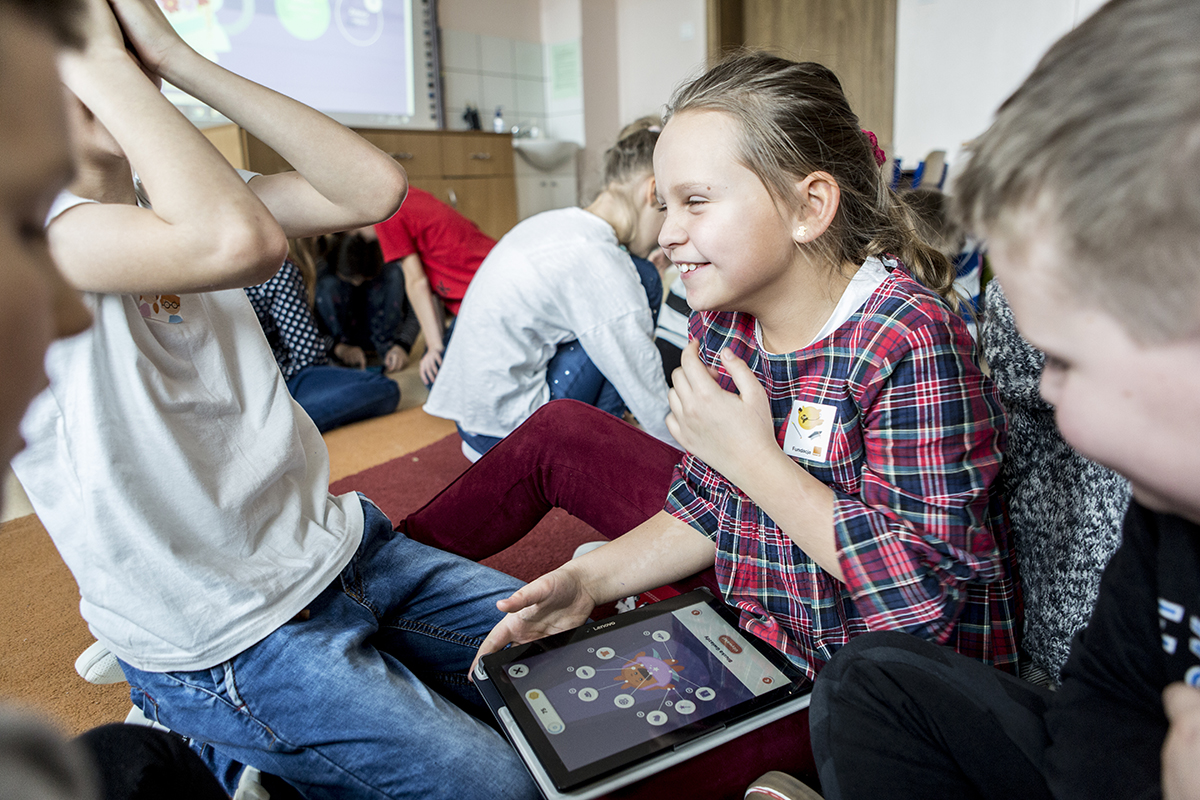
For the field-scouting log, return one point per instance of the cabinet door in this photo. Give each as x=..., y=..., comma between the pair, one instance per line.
x=477, y=154
x=419, y=153
x=491, y=203
x=228, y=141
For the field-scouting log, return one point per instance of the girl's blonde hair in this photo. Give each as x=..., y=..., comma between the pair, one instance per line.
x=633, y=154
x=795, y=120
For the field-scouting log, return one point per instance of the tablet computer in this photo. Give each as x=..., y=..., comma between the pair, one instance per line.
x=598, y=707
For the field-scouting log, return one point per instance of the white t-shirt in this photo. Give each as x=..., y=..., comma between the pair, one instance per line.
x=557, y=276
x=185, y=489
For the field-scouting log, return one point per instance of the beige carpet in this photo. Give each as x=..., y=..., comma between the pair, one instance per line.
x=44, y=633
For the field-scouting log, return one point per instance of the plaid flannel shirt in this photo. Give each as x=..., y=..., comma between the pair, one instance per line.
x=914, y=449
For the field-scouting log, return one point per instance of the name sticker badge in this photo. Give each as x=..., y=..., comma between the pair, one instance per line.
x=809, y=428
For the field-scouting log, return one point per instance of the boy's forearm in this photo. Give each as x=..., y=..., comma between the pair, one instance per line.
x=357, y=183
x=206, y=225
x=177, y=164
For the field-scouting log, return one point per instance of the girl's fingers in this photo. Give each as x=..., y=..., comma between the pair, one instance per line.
x=743, y=377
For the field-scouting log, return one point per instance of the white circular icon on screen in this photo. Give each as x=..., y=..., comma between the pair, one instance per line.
x=656, y=718
x=605, y=653
x=585, y=673
x=685, y=706
x=660, y=636
x=518, y=670
x=705, y=693
x=588, y=695
x=623, y=700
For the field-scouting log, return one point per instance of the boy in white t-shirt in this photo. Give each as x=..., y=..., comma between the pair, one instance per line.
x=274, y=624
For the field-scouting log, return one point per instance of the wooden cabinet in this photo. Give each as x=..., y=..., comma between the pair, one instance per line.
x=468, y=170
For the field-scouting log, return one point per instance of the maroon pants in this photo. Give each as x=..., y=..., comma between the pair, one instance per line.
x=614, y=477
x=568, y=455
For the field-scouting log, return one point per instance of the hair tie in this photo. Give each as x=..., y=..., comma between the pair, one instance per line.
x=880, y=156
x=655, y=129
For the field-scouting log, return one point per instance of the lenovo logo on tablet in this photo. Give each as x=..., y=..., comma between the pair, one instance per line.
x=730, y=644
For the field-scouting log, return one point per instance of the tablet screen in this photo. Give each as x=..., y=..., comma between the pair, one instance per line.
x=633, y=685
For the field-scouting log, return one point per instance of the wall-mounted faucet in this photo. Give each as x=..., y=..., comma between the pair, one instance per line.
x=526, y=130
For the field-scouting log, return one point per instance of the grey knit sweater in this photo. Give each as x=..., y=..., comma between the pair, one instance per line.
x=1066, y=510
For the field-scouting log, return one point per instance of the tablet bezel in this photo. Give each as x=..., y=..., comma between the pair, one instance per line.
x=565, y=779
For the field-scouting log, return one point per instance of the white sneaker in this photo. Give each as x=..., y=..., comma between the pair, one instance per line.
x=586, y=548
x=136, y=717
x=776, y=785
x=629, y=603
x=250, y=786
x=97, y=665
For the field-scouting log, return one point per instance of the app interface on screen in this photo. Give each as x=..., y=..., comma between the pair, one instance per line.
x=627, y=686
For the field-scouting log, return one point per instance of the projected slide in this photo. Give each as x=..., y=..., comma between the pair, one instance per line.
x=348, y=58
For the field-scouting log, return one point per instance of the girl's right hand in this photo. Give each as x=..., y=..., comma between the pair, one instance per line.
x=553, y=603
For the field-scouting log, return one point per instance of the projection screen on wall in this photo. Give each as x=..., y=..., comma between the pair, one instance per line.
x=363, y=62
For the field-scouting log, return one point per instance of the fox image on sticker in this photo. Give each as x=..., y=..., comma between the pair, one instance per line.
x=730, y=644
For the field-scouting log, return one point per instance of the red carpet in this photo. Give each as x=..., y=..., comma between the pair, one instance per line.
x=404, y=484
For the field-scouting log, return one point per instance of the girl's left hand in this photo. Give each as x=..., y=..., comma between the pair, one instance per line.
x=726, y=430
x=149, y=32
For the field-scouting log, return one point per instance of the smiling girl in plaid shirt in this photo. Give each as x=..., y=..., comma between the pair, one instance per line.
x=842, y=442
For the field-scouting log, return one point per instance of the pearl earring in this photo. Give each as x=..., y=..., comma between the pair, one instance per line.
x=802, y=232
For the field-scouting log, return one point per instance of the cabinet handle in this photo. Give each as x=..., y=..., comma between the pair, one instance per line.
x=402, y=156
x=453, y=198
x=480, y=156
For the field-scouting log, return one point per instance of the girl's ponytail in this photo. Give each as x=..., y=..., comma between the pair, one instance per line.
x=927, y=263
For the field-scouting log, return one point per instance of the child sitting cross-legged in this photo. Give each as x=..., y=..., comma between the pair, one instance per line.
x=564, y=307
x=271, y=623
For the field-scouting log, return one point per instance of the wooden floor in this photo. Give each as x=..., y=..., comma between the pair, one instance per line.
x=44, y=633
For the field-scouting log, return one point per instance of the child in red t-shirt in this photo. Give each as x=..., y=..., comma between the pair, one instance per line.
x=439, y=251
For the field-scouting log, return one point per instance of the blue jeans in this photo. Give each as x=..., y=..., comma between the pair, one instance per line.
x=336, y=396
x=571, y=373
x=573, y=376
x=366, y=698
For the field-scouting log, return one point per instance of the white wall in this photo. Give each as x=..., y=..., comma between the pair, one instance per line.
x=660, y=44
x=511, y=19
x=957, y=60
x=632, y=54
x=635, y=53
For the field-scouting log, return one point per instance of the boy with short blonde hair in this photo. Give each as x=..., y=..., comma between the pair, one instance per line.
x=1087, y=187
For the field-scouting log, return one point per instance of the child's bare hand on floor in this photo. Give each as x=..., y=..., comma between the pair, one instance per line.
x=350, y=355
x=395, y=360
x=430, y=363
